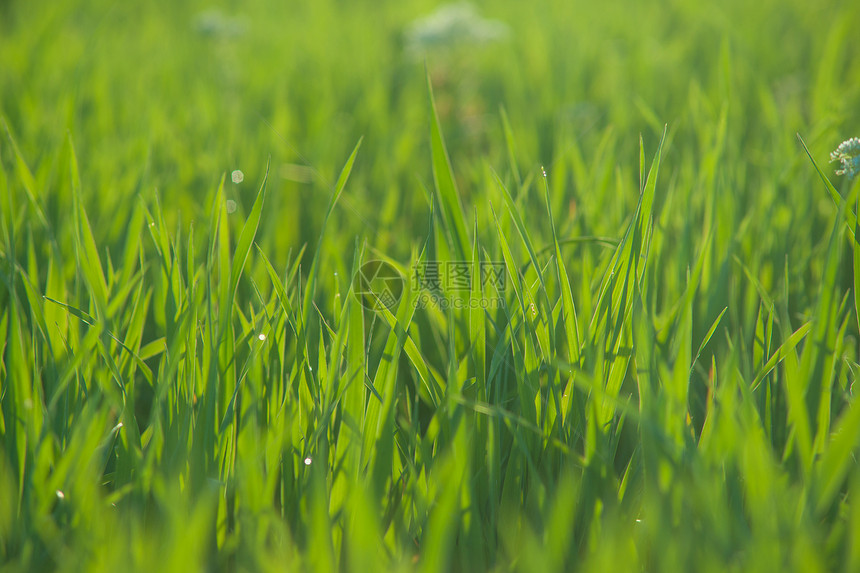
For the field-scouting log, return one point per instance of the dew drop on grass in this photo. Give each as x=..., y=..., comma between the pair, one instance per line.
x=231, y=206
x=262, y=337
x=308, y=461
x=60, y=495
x=237, y=176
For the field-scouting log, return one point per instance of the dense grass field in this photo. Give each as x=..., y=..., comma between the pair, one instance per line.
x=367, y=286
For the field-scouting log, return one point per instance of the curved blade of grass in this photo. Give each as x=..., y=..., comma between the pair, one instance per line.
x=781, y=353
x=521, y=229
x=855, y=257
x=837, y=459
x=477, y=316
x=310, y=289
x=509, y=142
x=546, y=333
x=88, y=255
x=834, y=194
x=707, y=338
x=246, y=237
x=571, y=323
x=446, y=186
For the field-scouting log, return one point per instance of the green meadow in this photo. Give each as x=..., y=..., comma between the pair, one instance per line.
x=370, y=286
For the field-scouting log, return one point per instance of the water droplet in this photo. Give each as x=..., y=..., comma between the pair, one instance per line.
x=238, y=176
x=308, y=461
x=231, y=206
x=61, y=495
x=262, y=337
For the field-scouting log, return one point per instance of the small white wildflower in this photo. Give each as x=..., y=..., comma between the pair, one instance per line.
x=231, y=206
x=452, y=25
x=237, y=176
x=217, y=24
x=848, y=154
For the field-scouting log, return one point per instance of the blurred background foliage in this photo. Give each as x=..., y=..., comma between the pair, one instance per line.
x=168, y=95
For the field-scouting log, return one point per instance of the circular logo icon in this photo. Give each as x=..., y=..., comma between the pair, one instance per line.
x=378, y=285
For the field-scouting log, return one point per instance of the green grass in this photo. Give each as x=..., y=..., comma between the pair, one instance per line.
x=188, y=380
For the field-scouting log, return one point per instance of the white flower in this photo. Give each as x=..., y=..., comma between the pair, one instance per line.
x=451, y=25
x=848, y=154
x=215, y=23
